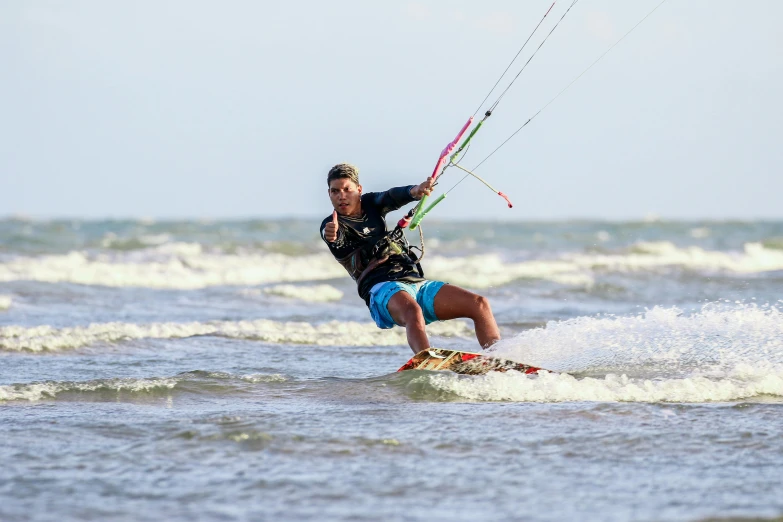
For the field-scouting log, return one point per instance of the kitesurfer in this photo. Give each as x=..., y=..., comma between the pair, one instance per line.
x=386, y=271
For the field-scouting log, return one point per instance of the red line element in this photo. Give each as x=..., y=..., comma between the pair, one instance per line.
x=506, y=198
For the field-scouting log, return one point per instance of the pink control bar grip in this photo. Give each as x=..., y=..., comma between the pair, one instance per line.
x=450, y=147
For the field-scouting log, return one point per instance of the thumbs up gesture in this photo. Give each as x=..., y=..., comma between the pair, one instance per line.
x=330, y=231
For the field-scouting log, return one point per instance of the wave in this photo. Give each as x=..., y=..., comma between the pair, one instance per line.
x=312, y=294
x=51, y=389
x=754, y=258
x=743, y=383
x=5, y=302
x=334, y=333
x=194, y=381
x=490, y=270
x=114, y=242
x=721, y=352
x=716, y=338
x=579, y=269
x=190, y=266
x=175, y=265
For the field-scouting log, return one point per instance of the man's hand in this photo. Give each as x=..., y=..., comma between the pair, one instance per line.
x=425, y=189
x=330, y=230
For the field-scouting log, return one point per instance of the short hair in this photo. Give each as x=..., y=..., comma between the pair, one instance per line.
x=343, y=170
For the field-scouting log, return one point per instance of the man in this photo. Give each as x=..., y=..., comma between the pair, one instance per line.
x=386, y=271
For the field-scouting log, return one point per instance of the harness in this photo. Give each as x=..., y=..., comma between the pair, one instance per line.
x=364, y=259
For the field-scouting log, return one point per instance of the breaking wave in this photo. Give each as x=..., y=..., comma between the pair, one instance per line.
x=743, y=383
x=5, y=302
x=191, y=266
x=581, y=269
x=334, y=333
x=174, y=265
x=491, y=270
x=194, y=381
x=755, y=258
x=722, y=352
x=717, y=338
x=51, y=389
x=312, y=293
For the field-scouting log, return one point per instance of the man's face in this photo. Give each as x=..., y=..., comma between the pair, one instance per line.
x=345, y=196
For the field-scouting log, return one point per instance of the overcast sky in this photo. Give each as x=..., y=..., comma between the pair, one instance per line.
x=239, y=108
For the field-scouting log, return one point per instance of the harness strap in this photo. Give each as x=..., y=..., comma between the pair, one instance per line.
x=370, y=267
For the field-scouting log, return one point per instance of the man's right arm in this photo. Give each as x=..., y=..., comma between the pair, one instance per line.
x=337, y=245
x=330, y=229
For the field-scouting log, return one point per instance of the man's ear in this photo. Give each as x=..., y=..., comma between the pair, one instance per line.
x=359, y=188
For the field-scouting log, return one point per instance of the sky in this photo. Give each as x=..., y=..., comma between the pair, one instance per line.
x=237, y=109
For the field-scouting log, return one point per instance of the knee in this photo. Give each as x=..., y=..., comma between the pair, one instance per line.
x=481, y=305
x=412, y=315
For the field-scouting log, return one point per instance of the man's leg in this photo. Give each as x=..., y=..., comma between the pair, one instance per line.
x=453, y=302
x=406, y=312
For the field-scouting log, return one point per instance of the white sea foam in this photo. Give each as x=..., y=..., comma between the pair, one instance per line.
x=313, y=293
x=263, y=377
x=723, y=352
x=111, y=240
x=335, y=333
x=490, y=270
x=664, y=341
x=252, y=378
x=189, y=266
x=172, y=265
x=50, y=390
x=5, y=302
x=755, y=258
x=37, y=391
x=742, y=384
x=700, y=232
x=579, y=269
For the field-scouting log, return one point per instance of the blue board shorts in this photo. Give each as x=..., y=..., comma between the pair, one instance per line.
x=423, y=292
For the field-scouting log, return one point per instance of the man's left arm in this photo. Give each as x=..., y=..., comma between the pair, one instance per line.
x=398, y=197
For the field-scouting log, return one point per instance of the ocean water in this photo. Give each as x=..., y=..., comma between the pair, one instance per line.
x=227, y=370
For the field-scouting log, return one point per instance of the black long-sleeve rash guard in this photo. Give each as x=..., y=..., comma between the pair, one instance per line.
x=354, y=233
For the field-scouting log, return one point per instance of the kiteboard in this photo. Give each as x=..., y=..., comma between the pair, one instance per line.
x=468, y=363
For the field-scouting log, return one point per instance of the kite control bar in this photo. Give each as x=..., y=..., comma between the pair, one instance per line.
x=415, y=215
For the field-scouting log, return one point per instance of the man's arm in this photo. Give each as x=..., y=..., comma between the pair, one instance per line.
x=398, y=197
x=329, y=229
x=342, y=244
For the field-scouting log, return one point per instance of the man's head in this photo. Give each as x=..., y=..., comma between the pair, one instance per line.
x=344, y=189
